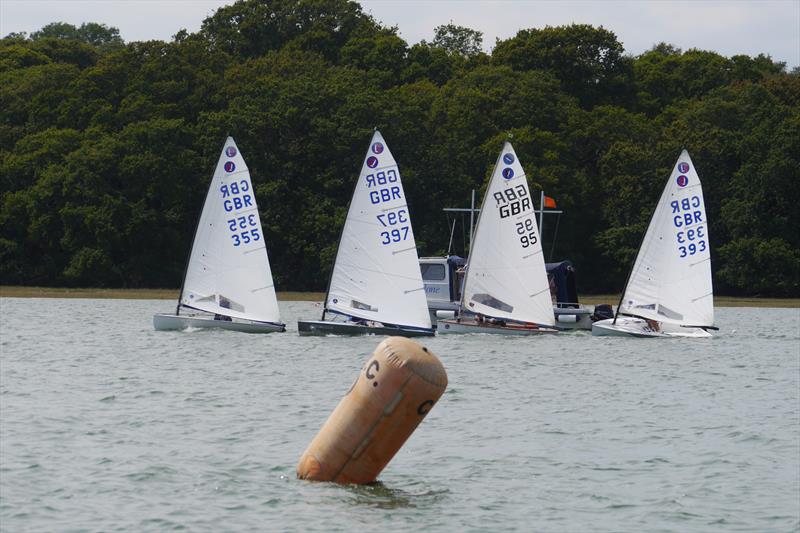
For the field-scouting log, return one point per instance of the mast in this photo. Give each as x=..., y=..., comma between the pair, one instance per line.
x=341, y=233
x=633, y=265
x=471, y=219
x=472, y=234
x=541, y=215
x=194, y=237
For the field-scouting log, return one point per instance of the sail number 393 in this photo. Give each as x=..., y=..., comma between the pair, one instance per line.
x=691, y=241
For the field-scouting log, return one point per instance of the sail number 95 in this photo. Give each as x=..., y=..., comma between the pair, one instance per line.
x=244, y=230
x=528, y=233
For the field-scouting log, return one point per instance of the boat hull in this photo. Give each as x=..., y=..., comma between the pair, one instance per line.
x=470, y=326
x=569, y=318
x=167, y=322
x=566, y=318
x=639, y=328
x=325, y=327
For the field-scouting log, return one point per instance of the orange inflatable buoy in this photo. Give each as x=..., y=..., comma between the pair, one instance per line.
x=394, y=391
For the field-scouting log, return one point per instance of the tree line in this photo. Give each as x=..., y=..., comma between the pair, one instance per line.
x=107, y=147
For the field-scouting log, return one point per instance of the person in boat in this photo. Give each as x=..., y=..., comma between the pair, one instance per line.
x=479, y=318
x=365, y=322
x=653, y=324
x=496, y=322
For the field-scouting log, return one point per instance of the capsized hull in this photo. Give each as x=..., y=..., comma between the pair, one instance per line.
x=470, y=326
x=168, y=322
x=637, y=327
x=325, y=327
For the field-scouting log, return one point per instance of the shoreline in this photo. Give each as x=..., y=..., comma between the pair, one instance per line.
x=12, y=291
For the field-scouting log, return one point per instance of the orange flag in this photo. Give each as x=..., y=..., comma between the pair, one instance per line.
x=550, y=203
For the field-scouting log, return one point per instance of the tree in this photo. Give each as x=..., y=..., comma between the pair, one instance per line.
x=250, y=28
x=589, y=61
x=104, y=37
x=458, y=40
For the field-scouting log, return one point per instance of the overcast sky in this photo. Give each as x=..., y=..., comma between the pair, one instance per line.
x=728, y=27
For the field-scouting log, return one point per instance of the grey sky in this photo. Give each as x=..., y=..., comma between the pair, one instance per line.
x=728, y=27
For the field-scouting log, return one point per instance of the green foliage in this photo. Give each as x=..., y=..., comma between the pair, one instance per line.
x=589, y=61
x=458, y=40
x=106, y=148
x=98, y=35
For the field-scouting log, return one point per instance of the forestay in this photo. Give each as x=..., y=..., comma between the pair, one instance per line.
x=228, y=271
x=671, y=278
x=506, y=275
x=376, y=275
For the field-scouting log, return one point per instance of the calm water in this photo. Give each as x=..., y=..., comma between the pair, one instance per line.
x=107, y=425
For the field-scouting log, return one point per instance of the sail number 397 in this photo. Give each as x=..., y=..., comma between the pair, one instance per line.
x=395, y=221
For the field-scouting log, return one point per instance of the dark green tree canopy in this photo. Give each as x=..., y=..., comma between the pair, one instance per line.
x=107, y=148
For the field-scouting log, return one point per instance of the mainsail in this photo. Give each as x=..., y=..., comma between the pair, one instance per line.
x=228, y=271
x=671, y=278
x=506, y=276
x=376, y=275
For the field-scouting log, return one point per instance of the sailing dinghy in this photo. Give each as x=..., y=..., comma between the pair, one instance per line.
x=669, y=291
x=505, y=287
x=228, y=281
x=376, y=285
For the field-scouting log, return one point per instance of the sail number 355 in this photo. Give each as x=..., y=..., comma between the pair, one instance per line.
x=244, y=230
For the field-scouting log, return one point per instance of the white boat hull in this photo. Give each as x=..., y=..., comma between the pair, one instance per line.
x=636, y=327
x=168, y=322
x=470, y=326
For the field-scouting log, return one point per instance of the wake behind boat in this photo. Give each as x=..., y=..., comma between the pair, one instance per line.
x=376, y=285
x=505, y=286
x=669, y=292
x=228, y=280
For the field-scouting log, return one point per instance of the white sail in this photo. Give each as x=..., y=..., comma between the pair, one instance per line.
x=376, y=275
x=671, y=278
x=228, y=271
x=506, y=276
